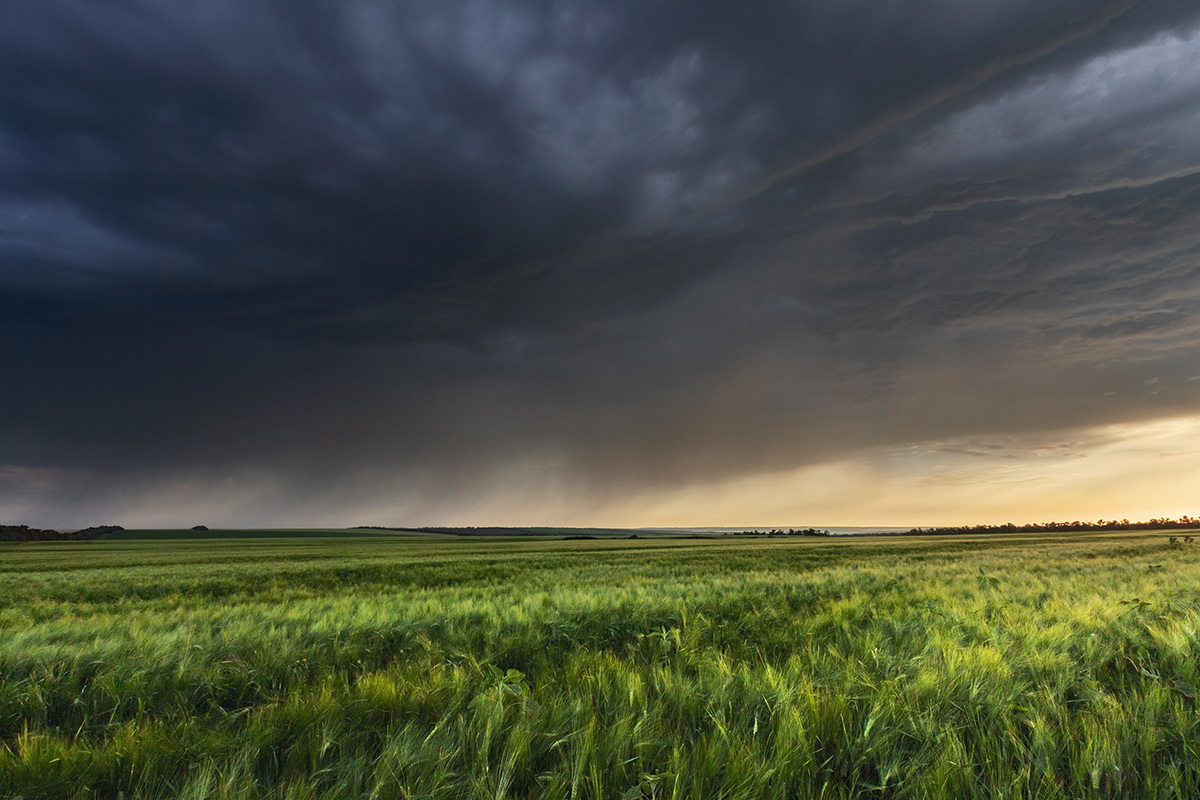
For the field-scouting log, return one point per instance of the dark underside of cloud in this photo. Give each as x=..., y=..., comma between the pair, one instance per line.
x=368, y=250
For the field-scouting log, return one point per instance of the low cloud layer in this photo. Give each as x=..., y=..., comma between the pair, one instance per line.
x=377, y=262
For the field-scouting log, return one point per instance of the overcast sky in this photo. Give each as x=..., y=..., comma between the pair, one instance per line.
x=267, y=262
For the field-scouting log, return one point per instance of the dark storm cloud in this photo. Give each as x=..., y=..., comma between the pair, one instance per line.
x=345, y=251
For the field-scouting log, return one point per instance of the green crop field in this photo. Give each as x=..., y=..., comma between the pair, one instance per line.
x=380, y=665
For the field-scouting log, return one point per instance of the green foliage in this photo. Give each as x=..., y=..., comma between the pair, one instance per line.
x=377, y=667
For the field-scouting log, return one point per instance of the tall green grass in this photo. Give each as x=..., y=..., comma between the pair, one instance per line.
x=374, y=667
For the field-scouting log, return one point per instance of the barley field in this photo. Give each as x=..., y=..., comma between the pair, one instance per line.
x=389, y=665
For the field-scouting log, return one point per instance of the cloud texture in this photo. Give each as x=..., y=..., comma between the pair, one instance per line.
x=408, y=262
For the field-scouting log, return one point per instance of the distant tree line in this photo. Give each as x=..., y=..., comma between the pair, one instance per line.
x=24, y=533
x=463, y=531
x=782, y=532
x=1157, y=524
x=471, y=530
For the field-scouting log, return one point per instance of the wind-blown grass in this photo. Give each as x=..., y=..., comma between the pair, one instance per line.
x=1020, y=666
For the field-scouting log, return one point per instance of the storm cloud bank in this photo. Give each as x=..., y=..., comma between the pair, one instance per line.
x=381, y=261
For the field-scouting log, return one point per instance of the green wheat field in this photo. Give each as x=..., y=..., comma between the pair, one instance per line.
x=391, y=665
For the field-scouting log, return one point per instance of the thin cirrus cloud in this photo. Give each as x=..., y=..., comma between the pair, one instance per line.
x=461, y=262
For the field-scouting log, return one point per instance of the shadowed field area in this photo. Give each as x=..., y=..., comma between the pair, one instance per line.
x=409, y=665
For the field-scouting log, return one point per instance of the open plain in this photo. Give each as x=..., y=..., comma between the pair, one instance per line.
x=391, y=665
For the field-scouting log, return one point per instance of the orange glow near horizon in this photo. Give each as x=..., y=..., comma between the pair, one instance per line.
x=1137, y=471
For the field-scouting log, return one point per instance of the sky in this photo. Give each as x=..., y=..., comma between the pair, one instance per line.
x=619, y=263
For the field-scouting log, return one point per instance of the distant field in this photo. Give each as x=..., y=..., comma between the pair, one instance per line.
x=258, y=533
x=377, y=664
x=350, y=533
